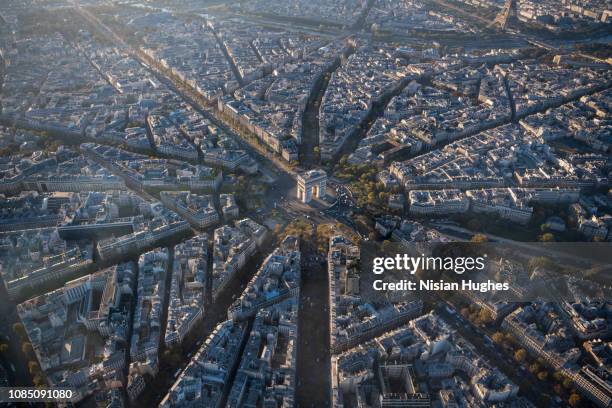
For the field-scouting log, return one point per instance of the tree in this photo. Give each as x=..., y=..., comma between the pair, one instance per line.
x=386, y=246
x=574, y=400
x=277, y=229
x=567, y=383
x=534, y=368
x=540, y=262
x=558, y=389
x=520, y=355
x=547, y=237
x=371, y=198
x=498, y=337
x=324, y=233
x=485, y=316
x=38, y=380
x=33, y=368
x=480, y=238
x=542, y=375
x=558, y=376
x=20, y=330
x=27, y=349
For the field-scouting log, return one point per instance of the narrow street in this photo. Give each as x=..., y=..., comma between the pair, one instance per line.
x=167, y=286
x=310, y=124
x=230, y=59
x=132, y=306
x=310, y=118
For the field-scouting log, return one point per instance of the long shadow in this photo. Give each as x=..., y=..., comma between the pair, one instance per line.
x=310, y=119
x=14, y=357
x=313, y=357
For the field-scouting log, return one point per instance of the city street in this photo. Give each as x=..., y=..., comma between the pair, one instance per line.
x=313, y=363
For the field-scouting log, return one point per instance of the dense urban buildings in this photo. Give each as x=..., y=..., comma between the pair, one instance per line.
x=193, y=195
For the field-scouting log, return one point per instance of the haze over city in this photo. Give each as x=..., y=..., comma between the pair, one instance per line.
x=194, y=195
